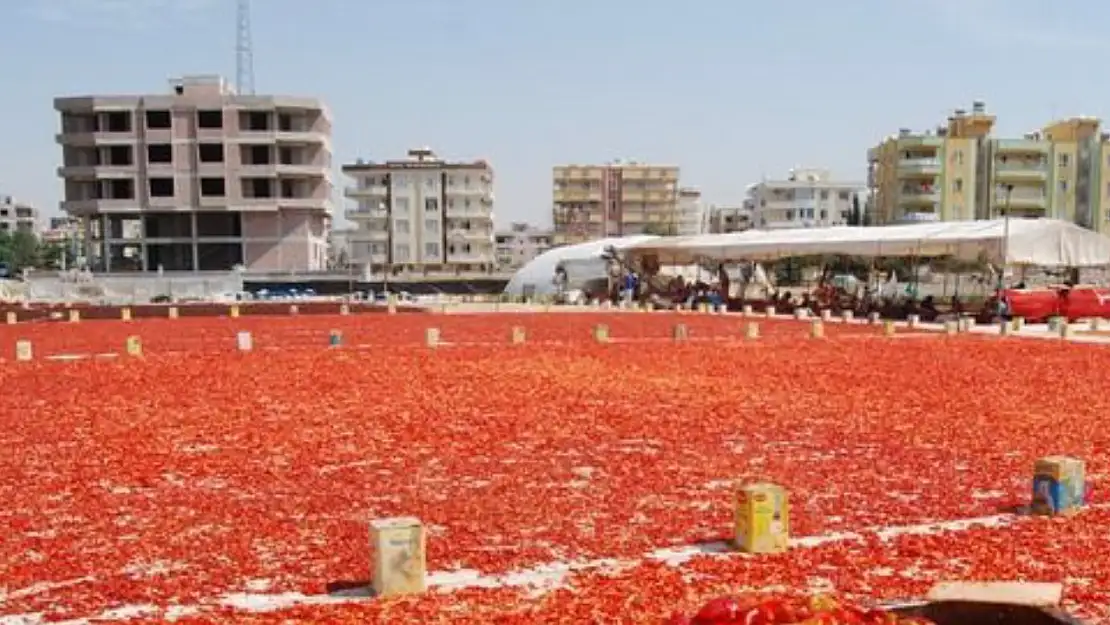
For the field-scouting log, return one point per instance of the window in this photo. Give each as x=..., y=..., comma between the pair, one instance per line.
x=285, y=122
x=844, y=196
x=430, y=183
x=824, y=195
x=158, y=120
x=159, y=153
x=257, y=121
x=824, y=214
x=117, y=189
x=789, y=215
x=401, y=205
x=213, y=187
x=401, y=226
x=120, y=155
x=958, y=185
x=431, y=204
x=256, y=155
x=399, y=180
x=1063, y=160
x=210, y=119
x=401, y=253
x=211, y=152
x=377, y=249
x=1063, y=186
x=161, y=187
x=466, y=203
x=466, y=181
x=431, y=226
x=119, y=121
x=431, y=249
x=258, y=188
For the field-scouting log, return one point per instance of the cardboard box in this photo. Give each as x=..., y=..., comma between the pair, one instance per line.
x=762, y=515
x=400, y=565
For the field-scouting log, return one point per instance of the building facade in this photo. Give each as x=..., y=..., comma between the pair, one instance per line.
x=198, y=179
x=17, y=217
x=725, y=219
x=617, y=199
x=520, y=244
x=691, y=213
x=959, y=171
x=805, y=198
x=422, y=213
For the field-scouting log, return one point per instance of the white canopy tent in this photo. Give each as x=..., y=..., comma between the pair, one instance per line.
x=582, y=261
x=1035, y=242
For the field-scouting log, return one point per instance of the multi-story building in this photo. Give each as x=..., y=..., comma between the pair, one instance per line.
x=339, y=247
x=960, y=172
x=725, y=219
x=691, y=213
x=520, y=244
x=201, y=178
x=17, y=216
x=806, y=198
x=617, y=199
x=422, y=213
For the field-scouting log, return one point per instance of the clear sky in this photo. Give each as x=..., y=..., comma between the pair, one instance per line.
x=731, y=91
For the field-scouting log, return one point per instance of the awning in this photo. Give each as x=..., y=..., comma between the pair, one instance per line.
x=1039, y=242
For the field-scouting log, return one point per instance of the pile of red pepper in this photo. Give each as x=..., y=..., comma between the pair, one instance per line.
x=818, y=610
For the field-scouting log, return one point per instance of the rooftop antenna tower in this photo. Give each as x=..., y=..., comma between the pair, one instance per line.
x=244, y=49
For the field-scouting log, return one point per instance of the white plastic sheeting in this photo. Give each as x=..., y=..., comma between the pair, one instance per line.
x=1038, y=242
x=582, y=261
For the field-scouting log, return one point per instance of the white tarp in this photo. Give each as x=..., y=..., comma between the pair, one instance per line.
x=582, y=261
x=1039, y=242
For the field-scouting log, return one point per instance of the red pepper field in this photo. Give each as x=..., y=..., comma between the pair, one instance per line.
x=203, y=484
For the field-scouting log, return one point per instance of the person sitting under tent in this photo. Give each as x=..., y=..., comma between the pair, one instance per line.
x=560, y=280
x=723, y=284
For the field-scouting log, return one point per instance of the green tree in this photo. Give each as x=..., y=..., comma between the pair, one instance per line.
x=855, y=216
x=51, y=255
x=19, y=250
x=661, y=229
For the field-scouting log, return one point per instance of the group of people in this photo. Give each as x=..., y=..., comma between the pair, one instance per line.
x=647, y=284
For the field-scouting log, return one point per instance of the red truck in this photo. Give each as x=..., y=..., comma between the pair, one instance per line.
x=1072, y=302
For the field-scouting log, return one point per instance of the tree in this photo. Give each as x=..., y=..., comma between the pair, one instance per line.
x=855, y=217
x=19, y=250
x=661, y=229
x=51, y=255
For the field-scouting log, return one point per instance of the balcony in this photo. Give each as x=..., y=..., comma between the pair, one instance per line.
x=1021, y=171
x=1021, y=146
x=920, y=141
x=577, y=195
x=362, y=214
x=376, y=190
x=916, y=167
x=474, y=190
x=918, y=196
x=87, y=138
x=1022, y=200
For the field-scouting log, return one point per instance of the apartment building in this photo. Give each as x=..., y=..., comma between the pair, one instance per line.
x=959, y=171
x=617, y=199
x=805, y=198
x=17, y=217
x=725, y=219
x=691, y=213
x=520, y=244
x=198, y=179
x=422, y=213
